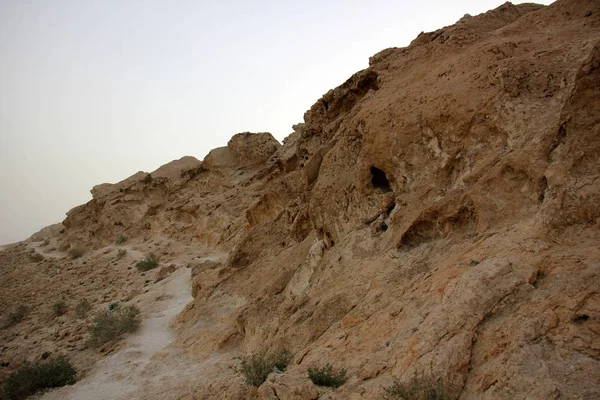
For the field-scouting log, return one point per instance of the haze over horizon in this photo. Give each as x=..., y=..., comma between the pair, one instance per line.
x=95, y=91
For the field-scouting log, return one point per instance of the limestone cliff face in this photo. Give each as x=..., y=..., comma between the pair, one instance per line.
x=188, y=200
x=435, y=216
x=448, y=219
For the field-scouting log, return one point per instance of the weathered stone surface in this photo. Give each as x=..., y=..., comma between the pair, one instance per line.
x=435, y=217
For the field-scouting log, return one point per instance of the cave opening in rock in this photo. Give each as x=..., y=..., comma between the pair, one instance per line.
x=379, y=180
x=581, y=318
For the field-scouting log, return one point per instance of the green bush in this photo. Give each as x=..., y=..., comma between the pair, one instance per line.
x=60, y=308
x=326, y=377
x=121, y=239
x=257, y=367
x=149, y=263
x=82, y=308
x=30, y=378
x=420, y=389
x=17, y=316
x=110, y=325
x=281, y=359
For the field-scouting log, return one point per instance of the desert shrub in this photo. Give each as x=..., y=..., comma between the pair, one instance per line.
x=35, y=257
x=121, y=239
x=121, y=253
x=327, y=377
x=281, y=358
x=82, y=308
x=110, y=325
x=17, y=316
x=420, y=389
x=147, y=264
x=30, y=378
x=77, y=251
x=60, y=308
x=257, y=367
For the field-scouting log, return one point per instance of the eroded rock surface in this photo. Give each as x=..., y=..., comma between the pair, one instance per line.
x=437, y=216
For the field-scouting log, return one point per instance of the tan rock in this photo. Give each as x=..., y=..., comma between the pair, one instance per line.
x=433, y=218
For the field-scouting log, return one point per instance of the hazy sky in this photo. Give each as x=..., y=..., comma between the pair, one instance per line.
x=92, y=91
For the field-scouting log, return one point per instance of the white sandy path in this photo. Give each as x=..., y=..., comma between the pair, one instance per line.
x=122, y=374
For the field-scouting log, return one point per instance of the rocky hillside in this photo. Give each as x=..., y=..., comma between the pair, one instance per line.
x=435, y=218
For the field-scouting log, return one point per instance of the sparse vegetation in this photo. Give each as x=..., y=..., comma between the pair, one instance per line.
x=82, y=308
x=327, y=377
x=60, y=308
x=16, y=316
x=147, y=264
x=35, y=257
x=121, y=239
x=111, y=324
x=30, y=378
x=121, y=253
x=257, y=367
x=281, y=359
x=420, y=389
x=77, y=252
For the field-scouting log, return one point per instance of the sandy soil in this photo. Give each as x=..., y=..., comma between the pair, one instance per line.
x=128, y=372
x=152, y=364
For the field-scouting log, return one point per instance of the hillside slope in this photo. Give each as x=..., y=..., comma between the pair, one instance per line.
x=435, y=217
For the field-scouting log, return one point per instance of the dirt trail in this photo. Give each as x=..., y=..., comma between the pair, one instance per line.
x=124, y=374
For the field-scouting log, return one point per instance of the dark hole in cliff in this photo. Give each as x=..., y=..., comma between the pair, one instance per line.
x=537, y=281
x=420, y=232
x=330, y=242
x=542, y=189
x=580, y=319
x=559, y=139
x=369, y=82
x=379, y=180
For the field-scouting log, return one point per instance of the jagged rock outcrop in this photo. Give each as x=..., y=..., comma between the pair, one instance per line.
x=435, y=216
x=439, y=219
x=188, y=200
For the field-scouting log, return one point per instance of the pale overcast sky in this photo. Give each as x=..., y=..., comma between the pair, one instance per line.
x=92, y=91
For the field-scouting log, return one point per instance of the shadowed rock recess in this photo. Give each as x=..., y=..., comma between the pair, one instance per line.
x=436, y=217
